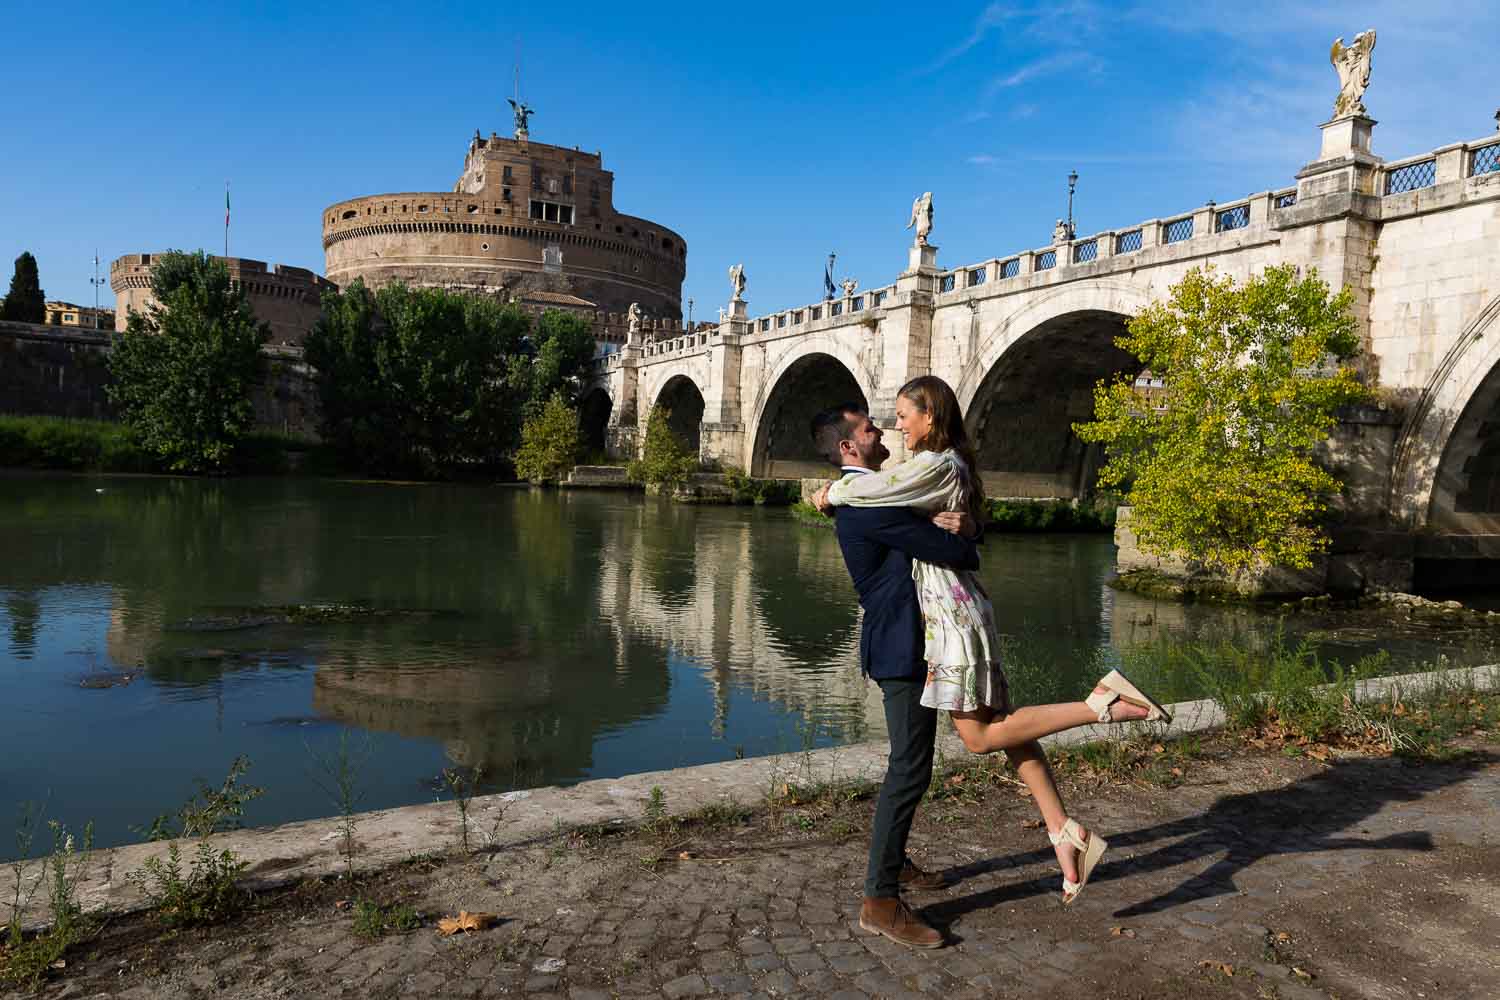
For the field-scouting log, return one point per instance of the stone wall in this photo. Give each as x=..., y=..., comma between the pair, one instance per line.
x=54, y=372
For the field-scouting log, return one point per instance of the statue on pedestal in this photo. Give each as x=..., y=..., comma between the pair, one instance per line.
x=633, y=334
x=737, y=282
x=1061, y=233
x=523, y=113
x=921, y=217
x=1353, y=66
x=849, y=286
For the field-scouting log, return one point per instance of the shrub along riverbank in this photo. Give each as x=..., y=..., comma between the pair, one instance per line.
x=57, y=443
x=1013, y=516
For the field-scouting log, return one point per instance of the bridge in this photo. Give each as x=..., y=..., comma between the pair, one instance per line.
x=1023, y=338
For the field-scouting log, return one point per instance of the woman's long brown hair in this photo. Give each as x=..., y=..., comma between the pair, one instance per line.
x=933, y=397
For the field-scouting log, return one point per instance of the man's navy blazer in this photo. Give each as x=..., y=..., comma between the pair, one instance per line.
x=879, y=544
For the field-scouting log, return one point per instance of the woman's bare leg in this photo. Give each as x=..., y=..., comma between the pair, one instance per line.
x=1031, y=764
x=982, y=732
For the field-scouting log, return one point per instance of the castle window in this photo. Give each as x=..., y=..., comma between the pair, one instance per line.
x=551, y=211
x=506, y=177
x=505, y=195
x=567, y=183
x=351, y=213
x=473, y=209
x=666, y=244
x=421, y=208
x=620, y=230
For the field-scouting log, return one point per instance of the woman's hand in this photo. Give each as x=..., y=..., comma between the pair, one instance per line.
x=820, y=499
x=957, y=522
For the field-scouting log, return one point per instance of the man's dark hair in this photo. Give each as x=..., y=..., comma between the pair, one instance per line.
x=833, y=425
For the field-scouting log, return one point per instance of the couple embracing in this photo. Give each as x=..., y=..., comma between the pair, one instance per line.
x=929, y=638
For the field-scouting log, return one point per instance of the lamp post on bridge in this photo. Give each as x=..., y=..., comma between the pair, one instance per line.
x=1072, y=184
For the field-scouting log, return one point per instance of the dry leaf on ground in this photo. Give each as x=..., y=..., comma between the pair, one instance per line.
x=466, y=921
x=1213, y=966
x=1124, y=932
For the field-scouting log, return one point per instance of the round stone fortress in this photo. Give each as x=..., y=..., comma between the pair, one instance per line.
x=530, y=222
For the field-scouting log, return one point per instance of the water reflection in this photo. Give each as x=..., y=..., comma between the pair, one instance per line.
x=546, y=637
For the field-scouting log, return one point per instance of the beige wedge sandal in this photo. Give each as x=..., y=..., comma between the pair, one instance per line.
x=1090, y=850
x=1119, y=688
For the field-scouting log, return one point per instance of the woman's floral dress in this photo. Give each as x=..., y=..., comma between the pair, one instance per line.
x=962, y=645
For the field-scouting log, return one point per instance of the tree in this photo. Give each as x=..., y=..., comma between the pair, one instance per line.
x=560, y=346
x=25, y=302
x=182, y=370
x=1221, y=470
x=420, y=380
x=549, y=442
x=665, y=459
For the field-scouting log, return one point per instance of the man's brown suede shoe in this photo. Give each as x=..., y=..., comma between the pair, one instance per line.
x=913, y=877
x=891, y=917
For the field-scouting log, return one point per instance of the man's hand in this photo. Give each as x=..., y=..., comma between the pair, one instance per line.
x=820, y=499
x=956, y=522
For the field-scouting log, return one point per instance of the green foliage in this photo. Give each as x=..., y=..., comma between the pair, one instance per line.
x=462, y=782
x=427, y=382
x=182, y=371
x=744, y=489
x=26, y=961
x=549, y=442
x=339, y=774
x=371, y=920
x=78, y=445
x=25, y=302
x=560, y=347
x=208, y=892
x=209, y=810
x=665, y=459
x=1049, y=515
x=28, y=819
x=1222, y=472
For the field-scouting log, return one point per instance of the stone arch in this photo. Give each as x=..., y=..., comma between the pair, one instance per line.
x=802, y=383
x=681, y=395
x=1446, y=468
x=1035, y=378
x=593, y=419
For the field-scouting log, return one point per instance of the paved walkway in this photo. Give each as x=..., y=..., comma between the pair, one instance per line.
x=1260, y=876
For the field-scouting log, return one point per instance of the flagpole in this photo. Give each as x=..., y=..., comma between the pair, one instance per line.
x=226, y=220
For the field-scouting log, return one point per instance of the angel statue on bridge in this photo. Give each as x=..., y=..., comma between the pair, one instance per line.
x=921, y=217
x=737, y=282
x=1353, y=65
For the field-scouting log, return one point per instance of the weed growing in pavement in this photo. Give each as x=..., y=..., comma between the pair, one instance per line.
x=26, y=961
x=371, y=920
x=207, y=890
x=461, y=783
x=654, y=813
x=338, y=775
x=28, y=818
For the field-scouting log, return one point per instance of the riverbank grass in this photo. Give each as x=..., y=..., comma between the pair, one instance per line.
x=67, y=445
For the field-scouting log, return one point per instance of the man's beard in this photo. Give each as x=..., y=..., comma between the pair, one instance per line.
x=874, y=455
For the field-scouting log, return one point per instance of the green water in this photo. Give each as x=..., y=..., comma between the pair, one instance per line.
x=547, y=637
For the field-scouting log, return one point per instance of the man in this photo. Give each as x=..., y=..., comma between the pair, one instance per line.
x=879, y=544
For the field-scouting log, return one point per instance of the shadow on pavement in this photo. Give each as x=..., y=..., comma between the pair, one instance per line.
x=1312, y=815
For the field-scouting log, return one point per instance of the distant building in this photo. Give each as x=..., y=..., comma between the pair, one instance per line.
x=289, y=299
x=87, y=317
x=528, y=222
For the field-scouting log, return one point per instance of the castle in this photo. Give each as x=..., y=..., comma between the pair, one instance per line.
x=533, y=223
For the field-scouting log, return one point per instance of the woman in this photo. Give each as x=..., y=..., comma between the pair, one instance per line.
x=964, y=675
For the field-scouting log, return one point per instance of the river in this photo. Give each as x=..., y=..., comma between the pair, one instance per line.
x=151, y=629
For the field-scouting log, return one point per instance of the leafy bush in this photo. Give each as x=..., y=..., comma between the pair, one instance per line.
x=1220, y=468
x=665, y=461
x=207, y=893
x=549, y=442
x=75, y=445
x=745, y=489
x=1048, y=515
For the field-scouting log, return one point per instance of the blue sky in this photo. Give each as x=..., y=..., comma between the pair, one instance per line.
x=765, y=134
